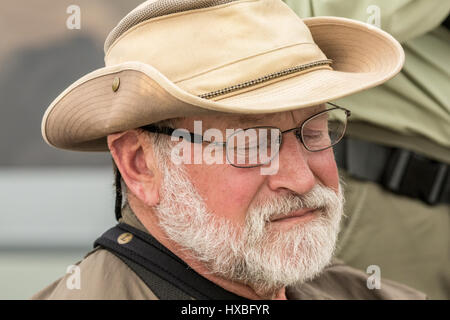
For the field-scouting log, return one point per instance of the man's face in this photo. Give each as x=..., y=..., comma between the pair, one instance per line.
x=229, y=192
x=265, y=230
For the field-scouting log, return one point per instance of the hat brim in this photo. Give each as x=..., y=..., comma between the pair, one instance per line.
x=89, y=110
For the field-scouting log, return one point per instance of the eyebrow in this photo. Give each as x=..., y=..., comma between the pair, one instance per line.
x=319, y=108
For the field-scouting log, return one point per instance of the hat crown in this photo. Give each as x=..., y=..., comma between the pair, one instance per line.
x=153, y=9
x=203, y=46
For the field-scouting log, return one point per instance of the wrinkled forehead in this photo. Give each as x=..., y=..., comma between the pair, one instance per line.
x=278, y=119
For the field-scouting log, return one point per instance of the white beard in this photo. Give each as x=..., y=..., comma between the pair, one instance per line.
x=255, y=255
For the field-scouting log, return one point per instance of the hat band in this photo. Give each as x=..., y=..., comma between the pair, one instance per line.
x=265, y=78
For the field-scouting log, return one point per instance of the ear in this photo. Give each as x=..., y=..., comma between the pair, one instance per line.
x=136, y=163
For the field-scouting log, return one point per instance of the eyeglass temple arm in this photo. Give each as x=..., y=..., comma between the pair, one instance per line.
x=348, y=112
x=195, y=138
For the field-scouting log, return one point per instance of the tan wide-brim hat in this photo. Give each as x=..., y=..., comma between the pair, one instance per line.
x=178, y=58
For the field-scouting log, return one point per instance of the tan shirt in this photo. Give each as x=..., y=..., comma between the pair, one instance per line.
x=104, y=276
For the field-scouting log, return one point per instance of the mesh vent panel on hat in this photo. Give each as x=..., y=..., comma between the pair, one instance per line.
x=152, y=9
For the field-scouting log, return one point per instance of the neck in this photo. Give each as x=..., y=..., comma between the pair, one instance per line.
x=149, y=220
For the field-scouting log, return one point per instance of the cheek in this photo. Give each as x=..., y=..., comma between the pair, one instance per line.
x=323, y=165
x=227, y=191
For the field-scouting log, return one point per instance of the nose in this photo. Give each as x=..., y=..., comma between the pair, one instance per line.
x=294, y=172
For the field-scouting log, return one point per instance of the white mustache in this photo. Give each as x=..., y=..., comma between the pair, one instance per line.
x=319, y=198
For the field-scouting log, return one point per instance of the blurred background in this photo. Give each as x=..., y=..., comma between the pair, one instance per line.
x=54, y=204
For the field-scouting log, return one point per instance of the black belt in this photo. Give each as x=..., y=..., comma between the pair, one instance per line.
x=398, y=170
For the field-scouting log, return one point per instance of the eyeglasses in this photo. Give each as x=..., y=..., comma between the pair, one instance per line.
x=257, y=146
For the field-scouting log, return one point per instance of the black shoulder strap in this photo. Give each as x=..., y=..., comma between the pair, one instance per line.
x=162, y=271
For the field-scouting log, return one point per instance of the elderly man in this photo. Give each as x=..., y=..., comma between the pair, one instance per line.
x=214, y=211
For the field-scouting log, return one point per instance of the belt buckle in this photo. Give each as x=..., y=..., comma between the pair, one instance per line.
x=410, y=174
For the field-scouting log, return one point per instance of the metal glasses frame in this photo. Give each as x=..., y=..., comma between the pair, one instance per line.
x=196, y=138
